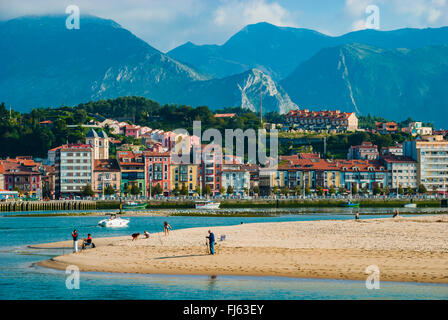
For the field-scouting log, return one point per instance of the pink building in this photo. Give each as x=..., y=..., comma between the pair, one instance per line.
x=132, y=131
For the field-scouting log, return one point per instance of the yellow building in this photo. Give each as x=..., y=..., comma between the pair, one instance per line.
x=184, y=175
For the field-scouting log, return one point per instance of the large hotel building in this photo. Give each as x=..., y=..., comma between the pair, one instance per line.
x=431, y=154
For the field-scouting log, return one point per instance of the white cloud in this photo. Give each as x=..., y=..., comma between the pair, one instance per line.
x=359, y=25
x=239, y=13
x=422, y=12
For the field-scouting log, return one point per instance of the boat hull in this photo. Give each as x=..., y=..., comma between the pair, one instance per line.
x=137, y=206
x=115, y=223
x=207, y=206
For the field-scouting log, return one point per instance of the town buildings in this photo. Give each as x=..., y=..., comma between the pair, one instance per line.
x=365, y=151
x=401, y=171
x=416, y=128
x=237, y=177
x=431, y=154
x=157, y=170
x=73, y=169
x=21, y=174
x=322, y=120
x=133, y=172
x=106, y=172
x=386, y=127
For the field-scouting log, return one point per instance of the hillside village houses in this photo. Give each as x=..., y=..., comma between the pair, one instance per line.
x=333, y=121
x=152, y=169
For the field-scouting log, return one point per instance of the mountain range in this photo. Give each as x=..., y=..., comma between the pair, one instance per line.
x=394, y=74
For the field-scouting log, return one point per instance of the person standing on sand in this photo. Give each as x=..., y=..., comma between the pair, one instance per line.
x=395, y=214
x=211, y=240
x=75, y=240
x=166, y=228
x=357, y=215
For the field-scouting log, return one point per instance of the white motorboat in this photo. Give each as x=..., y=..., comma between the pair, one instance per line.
x=113, y=222
x=208, y=205
x=410, y=205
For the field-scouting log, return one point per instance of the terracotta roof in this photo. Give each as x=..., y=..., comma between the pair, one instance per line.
x=397, y=159
x=106, y=165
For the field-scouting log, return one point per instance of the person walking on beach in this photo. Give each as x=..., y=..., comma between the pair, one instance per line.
x=357, y=215
x=146, y=233
x=75, y=240
x=211, y=240
x=395, y=214
x=166, y=228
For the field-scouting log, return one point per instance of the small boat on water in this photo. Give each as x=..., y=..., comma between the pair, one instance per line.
x=351, y=204
x=410, y=205
x=135, y=205
x=113, y=222
x=207, y=205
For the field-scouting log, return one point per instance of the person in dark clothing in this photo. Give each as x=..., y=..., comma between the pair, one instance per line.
x=357, y=215
x=211, y=240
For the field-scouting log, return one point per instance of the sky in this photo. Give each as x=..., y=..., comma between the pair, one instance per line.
x=166, y=24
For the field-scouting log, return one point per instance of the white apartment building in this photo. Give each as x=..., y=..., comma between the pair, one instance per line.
x=401, y=171
x=431, y=154
x=74, y=166
x=236, y=177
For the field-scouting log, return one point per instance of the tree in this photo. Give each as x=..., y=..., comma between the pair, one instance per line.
x=355, y=189
x=257, y=190
x=332, y=190
x=207, y=190
x=285, y=191
x=400, y=189
x=298, y=191
x=342, y=190
x=109, y=190
x=320, y=191
x=222, y=190
x=409, y=191
x=422, y=189
x=184, y=190
x=157, y=189
x=307, y=190
x=198, y=190
x=176, y=190
x=275, y=190
x=135, y=190
x=377, y=189
x=128, y=189
x=246, y=191
x=230, y=190
x=387, y=191
x=87, y=191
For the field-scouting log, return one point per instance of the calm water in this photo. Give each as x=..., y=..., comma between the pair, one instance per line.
x=21, y=279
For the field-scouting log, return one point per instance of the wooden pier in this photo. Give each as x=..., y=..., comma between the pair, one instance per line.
x=53, y=205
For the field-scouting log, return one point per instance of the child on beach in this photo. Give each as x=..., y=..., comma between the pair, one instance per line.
x=146, y=233
x=357, y=215
x=395, y=214
x=166, y=228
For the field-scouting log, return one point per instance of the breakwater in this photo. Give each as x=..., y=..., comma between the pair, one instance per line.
x=11, y=206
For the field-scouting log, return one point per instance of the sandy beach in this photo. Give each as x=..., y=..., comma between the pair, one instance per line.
x=405, y=249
